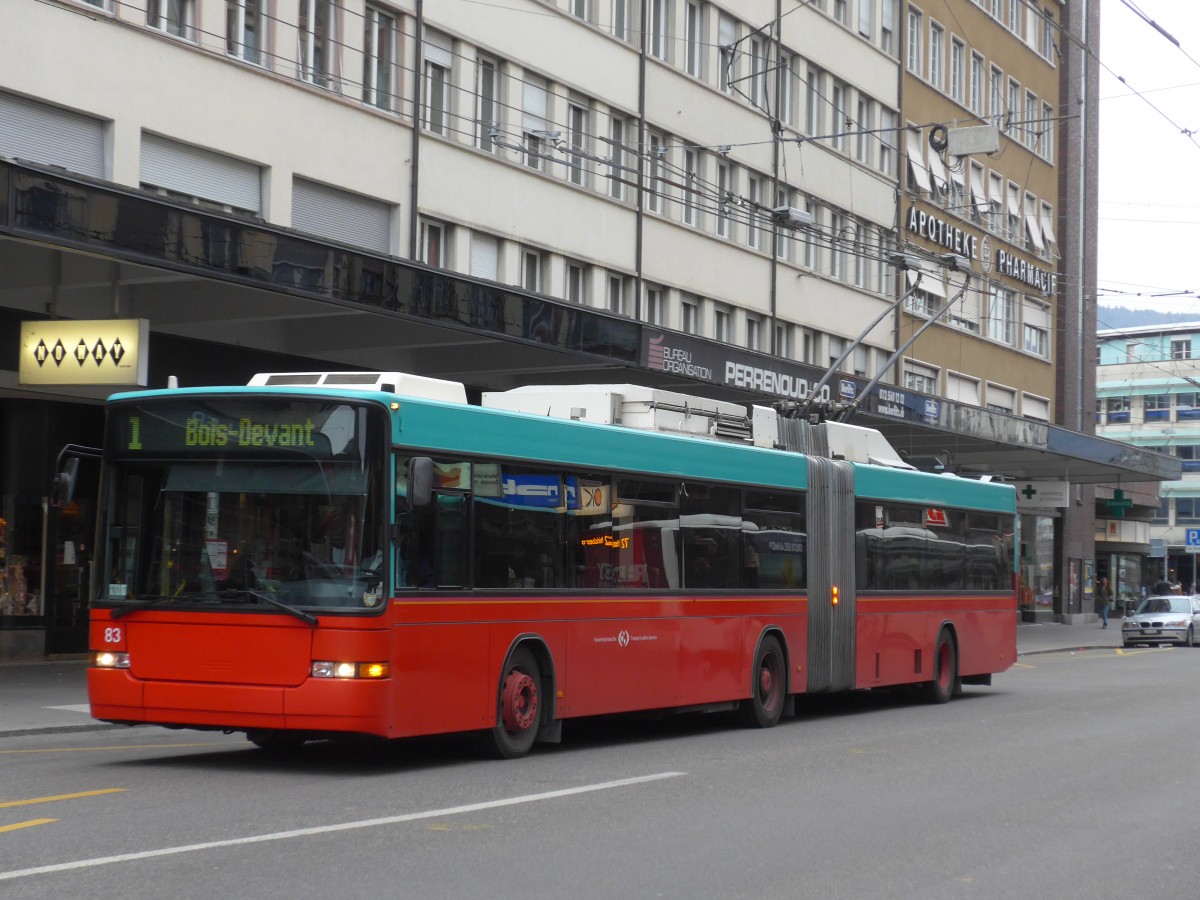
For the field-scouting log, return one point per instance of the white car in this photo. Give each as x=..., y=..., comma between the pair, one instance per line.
x=1173, y=619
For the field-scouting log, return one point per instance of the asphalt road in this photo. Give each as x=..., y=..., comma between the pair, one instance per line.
x=1072, y=776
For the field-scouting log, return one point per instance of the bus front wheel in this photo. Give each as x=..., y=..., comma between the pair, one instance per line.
x=945, y=670
x=519, y=709
x=768, y=685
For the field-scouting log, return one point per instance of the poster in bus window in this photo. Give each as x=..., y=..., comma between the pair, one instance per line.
x=453, y=476
x=218, y=557
x=587, y=497
x=485, y=480
x=542, y=491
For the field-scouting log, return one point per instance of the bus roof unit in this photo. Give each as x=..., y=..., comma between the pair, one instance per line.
x=401, y=383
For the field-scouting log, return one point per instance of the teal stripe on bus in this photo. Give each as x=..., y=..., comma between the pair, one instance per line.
x=872, y=482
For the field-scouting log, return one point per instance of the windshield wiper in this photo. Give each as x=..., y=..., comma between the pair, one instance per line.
x=286, y=607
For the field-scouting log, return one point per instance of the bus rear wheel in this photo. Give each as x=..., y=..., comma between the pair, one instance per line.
x=945, y=670
x=768, y=686
x=519, y=709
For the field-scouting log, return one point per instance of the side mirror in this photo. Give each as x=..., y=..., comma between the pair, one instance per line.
x=63, y=488
x=420, y=482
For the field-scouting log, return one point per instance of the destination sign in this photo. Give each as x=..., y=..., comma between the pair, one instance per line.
x=323, y=430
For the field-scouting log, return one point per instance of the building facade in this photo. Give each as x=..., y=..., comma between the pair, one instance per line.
x=726, y=198
x=1148, y=395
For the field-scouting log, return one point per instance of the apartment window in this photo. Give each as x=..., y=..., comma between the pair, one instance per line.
x=915, y=35
x=1001, y=315
x=1157, y=407
x=1030, y=124
x=616, y=294
x=577, y=129
x=786, y=75
x=689, y=319
x=1181, y=349
x=887, y=26
x=758, y=72
x=977, y=193
x=753, y=333
x=1015, y=8
x=433, y=244
x=692, y=179
x=616, y=169
x=860, y=256
x=783, y=340
x=532, y=266
x=1014, y=109
x=996, y=89
x=977, y=87
x=577, y=283
x=487, y=91
x=534, y=94
x=862, y=357
x=995, y=207
x=660, y=11
x=863, y=138
x=1013, y=218
x=836, y=227
x=840, y=97
x=177, y=17
x=783, y=240
x=1046, y=42
x=753, y=229
x=957, y=55
x=727, y=42
x=866, y=10
x=620, y=19
x=920, y=378
x=580, y=9
x=814, y=100
x=655, y=304
x=438, y=59
x=318, y=42
x=723, y=324
x=244, y=29
x=887, y=141
x=1036, y=329
x=694, y=38
x=658, y=152
x=485, y=257
x=379, y=58
x=811, y=248
x=937, y=56
x=724, y=195
x=962, y=390
x=1047, y=145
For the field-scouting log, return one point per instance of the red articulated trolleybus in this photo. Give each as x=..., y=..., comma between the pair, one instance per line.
x=322, y=554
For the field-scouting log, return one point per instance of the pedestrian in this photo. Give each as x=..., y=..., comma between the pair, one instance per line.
x=1104, y=599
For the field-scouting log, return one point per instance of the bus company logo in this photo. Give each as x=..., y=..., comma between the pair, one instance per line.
x=624, y=638
x=97, y=352
x=663, y=358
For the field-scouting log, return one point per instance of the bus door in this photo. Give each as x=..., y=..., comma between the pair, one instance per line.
x=831, y=625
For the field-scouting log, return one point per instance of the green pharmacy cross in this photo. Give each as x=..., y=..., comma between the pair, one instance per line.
x=1118, y=504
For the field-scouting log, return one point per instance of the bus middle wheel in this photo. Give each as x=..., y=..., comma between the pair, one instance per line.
x=519, y=708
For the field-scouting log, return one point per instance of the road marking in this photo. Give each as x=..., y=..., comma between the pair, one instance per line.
x=7, y=804
x=344, y=826
x=28, y=824
x=110, y=748
x=74, y=707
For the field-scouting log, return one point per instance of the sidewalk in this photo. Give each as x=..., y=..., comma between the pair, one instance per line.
x=51, y=696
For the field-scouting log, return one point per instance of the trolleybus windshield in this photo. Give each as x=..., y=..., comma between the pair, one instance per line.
x=244, y=502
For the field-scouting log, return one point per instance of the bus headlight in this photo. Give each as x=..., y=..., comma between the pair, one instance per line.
x=333, y=669
x=106, y=659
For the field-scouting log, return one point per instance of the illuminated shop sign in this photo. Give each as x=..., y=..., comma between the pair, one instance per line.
x=80, y=352
x=1044, y=281
x=943, y=233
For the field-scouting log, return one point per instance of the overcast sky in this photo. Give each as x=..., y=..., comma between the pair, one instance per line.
x=1149, y=203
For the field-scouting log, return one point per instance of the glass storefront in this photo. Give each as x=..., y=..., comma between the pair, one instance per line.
x=1036, y=583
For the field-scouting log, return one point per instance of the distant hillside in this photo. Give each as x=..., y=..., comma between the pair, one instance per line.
x=1123, y=317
